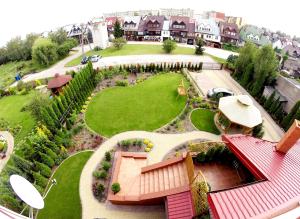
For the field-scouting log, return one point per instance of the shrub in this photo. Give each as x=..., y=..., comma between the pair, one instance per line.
x=119, y=43
x=100, y=188
x=44, y=52
x=97, y=174
x=199, y=46
x=103, y=175
x=169, y=45
x=40, y=180
x=97, y=48
x=47, y=160
x=107, y=156
x=122, y=83
x=115, y=187
x=106, y=165
x=147, y=149
x=210, y=154
x=43, y=169
x=200, y=158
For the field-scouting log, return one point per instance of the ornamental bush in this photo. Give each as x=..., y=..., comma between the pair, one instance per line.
x=106, y=165
x=103, y=174
x=115, y=187
x=43, y=169
x=100, y=188
x=107, y=156
x=40, y=180
x=44, y=52
x=169, y=46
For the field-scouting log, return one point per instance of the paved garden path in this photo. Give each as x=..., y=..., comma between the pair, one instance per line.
x=163, y=143
x=10, y=147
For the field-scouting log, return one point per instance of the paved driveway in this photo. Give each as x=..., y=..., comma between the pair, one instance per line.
x=215, y=78
x=116, y=60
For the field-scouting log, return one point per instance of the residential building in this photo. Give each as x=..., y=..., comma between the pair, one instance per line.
x=239, y=21
x=292, y=51
x=277, y=44
x=76, y=33
x=186, y=12
x=216, y=16
x=287, y=89
x=179, y=29
x=151, y=27
x=131, y=13
x=254, y=34
x=130, y=27
x=275, y=167
x=165, y=33
x=229, y=33
x=99, y=33
x=209, y=31
x=292, y=66
x=110, y=22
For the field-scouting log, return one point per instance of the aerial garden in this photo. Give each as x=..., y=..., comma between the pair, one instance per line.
x=94, y=106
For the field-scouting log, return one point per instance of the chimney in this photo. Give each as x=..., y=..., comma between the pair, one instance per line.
x=290, y=138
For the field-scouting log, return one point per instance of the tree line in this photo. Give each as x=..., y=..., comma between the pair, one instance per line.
x=45, y=146
x=43, y=51
x=256, y=68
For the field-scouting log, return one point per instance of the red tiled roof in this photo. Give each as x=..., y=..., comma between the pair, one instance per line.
x=280, y=172
x=180, y=206
x=112, y=20
x=220, y=15
x=59, y=81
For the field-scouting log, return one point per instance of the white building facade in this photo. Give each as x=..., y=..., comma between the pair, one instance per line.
x=100, y=34
x=208, y=30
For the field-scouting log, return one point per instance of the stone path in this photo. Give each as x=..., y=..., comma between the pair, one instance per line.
x=10, y=148
x=163, y=143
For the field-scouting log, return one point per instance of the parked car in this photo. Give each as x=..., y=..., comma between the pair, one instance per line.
x=218, y=92
x=95, y=58
x=84, y=60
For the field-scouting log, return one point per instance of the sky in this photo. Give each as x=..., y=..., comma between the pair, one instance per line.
x=19, y=17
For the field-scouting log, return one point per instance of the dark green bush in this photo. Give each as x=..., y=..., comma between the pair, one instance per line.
x=103, y=174
x=200, y=158
x=43, y=169
x=107, y=156
x=100, y=188
x=115, y=187
x=106, y=165
x=40, y=180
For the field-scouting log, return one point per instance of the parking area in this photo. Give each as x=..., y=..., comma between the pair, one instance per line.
x=208, y=79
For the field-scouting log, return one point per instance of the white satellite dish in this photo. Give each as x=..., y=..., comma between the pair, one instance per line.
x=26, y=191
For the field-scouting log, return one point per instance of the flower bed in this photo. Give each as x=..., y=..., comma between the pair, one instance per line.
x=3, y=147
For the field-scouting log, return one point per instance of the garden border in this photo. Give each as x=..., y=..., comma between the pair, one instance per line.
x=36, y=216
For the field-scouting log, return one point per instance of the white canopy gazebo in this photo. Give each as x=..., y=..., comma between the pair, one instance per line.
x=240, y=110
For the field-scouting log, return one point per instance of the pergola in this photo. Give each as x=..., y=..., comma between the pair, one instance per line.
x=239, y=110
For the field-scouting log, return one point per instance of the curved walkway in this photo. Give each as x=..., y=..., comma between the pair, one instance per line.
x=10, y=148
x=163, y=143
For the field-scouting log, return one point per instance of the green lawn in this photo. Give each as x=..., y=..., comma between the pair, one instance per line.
x=203, y=119
x=8, y=71
x=10, y=110
x=145, y=106
x=217, y=59
x=130, y=49
x=63, y=200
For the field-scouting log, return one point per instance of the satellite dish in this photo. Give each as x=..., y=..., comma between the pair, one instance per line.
x=26, y=191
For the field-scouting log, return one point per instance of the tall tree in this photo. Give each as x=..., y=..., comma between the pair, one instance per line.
x=265, y=66
x=287, y=120
x=244, y=62
x=199, y=46
x=269, y=101
x=118, y=32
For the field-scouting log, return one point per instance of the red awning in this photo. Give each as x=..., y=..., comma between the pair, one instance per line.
x=59, y=81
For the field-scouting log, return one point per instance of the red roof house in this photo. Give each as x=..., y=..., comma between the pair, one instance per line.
x=276, y=166
x=58, y=82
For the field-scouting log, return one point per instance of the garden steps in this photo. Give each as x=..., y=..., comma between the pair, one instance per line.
x=163, y=178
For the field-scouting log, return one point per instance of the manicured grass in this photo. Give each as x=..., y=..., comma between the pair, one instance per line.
x=203, y=119
x=9, y=70
x=10, y=110
x=63, y=200
x=217, y=59
x=145, y=106
x=130, y=49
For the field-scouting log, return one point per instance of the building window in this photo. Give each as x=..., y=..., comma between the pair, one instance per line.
x=177, y=26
